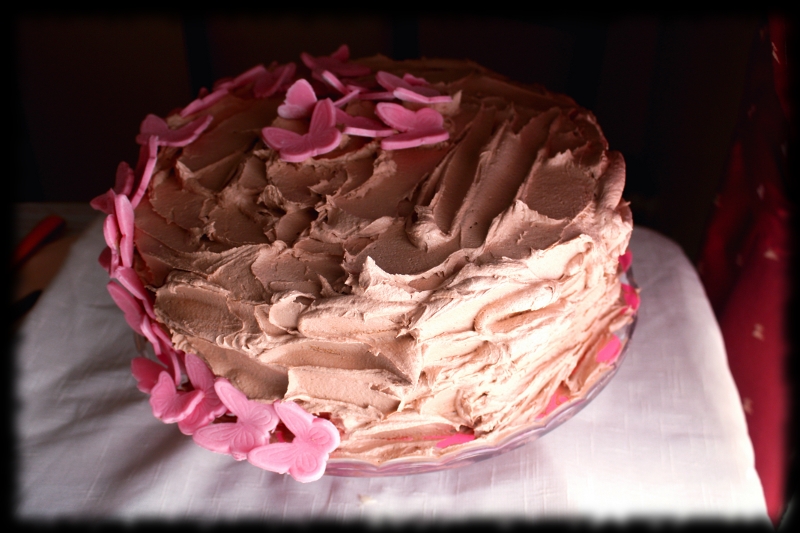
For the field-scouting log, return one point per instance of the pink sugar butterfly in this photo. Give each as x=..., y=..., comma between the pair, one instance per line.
x=425, y=126
x=169, y=404
x=350, y=92
x=300, y=100
x=270, y=82
x=265, y=82
x=203, y=101
x=337, y=63
x=123, y=186
x=144, y=167
x=610, y=351
x=456, y=438
x=556, y=399
x=146, y=371
x=306, y=456
x=211, y=406
x=118, y=233
x=361, y=126
x=252, y=428
x=155, y=126
x=418, y=91
x=631, y=296
x=322, y=136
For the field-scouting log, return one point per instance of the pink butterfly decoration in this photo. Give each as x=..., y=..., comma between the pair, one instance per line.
x=118, y=233
x=425, y=126
x=252, y=428
x=416, y=92
x=203, y=101
x=146, y=371
x=300, y=101
x=631, y=296
x=265, y=82
x=322, y=136
x=306, y=456
x=610, y=351
x=169, y=404
x=142, y=323
x=556, y=399
x=361, y=126
x=337, y=63
x=458, y=438
x=154, y=126
x=211, y=406
x=147, y=163
x=123, y=185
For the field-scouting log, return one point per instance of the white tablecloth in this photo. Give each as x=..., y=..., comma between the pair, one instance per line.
x=666, y=438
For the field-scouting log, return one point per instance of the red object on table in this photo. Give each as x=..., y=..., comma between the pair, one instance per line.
x=744, y=265
x=49, y=228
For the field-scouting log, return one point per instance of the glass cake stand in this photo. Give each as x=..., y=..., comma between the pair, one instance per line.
x=469, y=453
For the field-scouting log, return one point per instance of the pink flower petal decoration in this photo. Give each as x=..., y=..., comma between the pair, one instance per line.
x=154, y=126
x=337, y=63
x=458, y=438
x=610, y=351
x=306, y=456
x=362, y=126
x=211, y=407
x=170, y=405
x=625, y=260
x=631, y=296
x=425, y=126
x=252, y=428
x=203, y=102
x=146, y=371
x=300, y=101
x=322, y=136
x=403, y=90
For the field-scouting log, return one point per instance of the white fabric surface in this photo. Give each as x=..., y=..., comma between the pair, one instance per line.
x=666, y=438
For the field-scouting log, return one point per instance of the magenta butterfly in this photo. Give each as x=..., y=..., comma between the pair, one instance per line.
x=337, y=63
x=305, y=457
x=299, y=102
x=252, y=428
x=322, y=136
x=211, y=406
x=169, y=404
x=425, y=126
x=154, y=126
x=410, y=89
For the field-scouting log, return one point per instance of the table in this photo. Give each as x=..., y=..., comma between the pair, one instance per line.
x=666, y=438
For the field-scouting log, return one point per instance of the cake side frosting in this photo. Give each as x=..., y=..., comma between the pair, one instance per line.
x=446, y=268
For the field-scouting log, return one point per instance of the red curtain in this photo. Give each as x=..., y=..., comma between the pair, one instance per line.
x=744, y=264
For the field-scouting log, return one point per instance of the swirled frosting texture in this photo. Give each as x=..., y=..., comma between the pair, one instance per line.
x=406, y=295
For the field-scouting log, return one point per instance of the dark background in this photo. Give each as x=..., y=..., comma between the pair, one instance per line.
x=666, y=89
